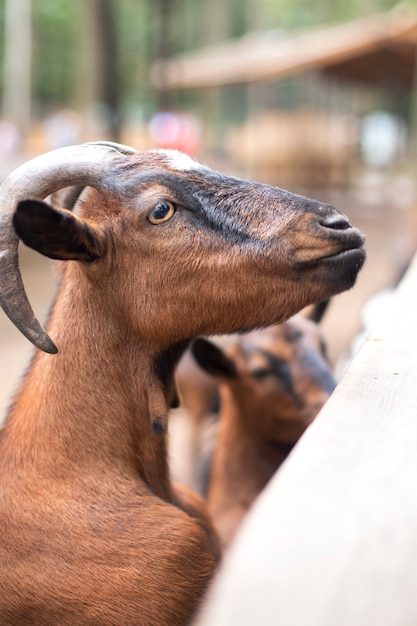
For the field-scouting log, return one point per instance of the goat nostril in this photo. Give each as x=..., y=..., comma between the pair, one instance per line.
x=336, y=221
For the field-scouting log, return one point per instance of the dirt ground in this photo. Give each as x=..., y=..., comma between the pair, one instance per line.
x=384, y=208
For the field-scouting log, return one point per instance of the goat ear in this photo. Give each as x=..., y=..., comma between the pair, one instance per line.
x=56, y=233
x=212, y=359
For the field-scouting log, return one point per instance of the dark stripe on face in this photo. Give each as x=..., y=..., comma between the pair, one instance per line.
x=210, y=198
x=282, y=371
x=274, y=366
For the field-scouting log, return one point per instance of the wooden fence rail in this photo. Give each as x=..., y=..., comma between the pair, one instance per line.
x=332, y=541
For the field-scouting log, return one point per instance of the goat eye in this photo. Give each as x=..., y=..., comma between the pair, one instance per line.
x=260, y=373
x=162, y=212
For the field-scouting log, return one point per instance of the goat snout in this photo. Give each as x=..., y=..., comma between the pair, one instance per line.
x=341, y=230
x=324, y=232
x=335, y=220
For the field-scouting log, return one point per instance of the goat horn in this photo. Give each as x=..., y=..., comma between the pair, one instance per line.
x=74, y=165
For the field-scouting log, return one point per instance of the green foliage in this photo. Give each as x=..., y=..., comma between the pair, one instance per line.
x=133, y=28
x=54, y=50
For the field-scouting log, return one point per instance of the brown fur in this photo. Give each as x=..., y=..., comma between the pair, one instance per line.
x=273, y=382
x=91, y=529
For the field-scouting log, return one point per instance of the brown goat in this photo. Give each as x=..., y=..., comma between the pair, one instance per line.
x=273, y=382
x=157, y=250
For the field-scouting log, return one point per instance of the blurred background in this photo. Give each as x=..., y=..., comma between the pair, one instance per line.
x=319, y=98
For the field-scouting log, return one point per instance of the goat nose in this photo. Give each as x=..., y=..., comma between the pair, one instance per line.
x=335, y=220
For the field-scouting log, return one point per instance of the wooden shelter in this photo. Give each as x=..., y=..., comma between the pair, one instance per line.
x=380, y=50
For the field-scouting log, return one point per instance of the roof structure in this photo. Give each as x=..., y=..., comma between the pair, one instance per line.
x=380, y=50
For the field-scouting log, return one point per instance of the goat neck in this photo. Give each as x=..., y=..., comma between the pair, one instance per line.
x=242, y=465
x=247, y=459
x=90, y=403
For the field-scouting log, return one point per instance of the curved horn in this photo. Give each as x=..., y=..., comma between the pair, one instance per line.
x=74, y=165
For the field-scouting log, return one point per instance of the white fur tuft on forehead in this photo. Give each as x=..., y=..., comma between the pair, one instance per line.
x=179, y=160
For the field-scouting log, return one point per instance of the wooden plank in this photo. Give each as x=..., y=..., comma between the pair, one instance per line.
x=332, y=541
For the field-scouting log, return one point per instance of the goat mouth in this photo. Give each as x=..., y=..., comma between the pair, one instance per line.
x=347, y=257
x=351, y=257
x=341, y=269
x=343, y=263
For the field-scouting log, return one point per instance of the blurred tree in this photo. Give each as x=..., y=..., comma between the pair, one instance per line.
x=54, y=53
x=165, y=41
x=17, y=64
x=99, y=84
